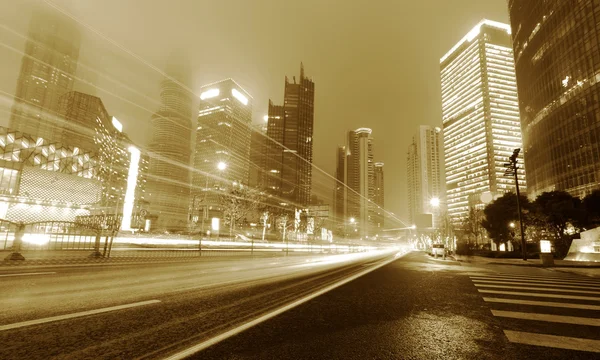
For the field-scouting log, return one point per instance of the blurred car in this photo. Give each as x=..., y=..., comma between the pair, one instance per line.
x=438, y=250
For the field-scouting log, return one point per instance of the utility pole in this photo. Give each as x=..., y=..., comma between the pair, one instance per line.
x=511, y=170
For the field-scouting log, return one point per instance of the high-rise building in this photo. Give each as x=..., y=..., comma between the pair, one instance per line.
x=290, y=143
x=378, y=196
x=258, y=159
x=557, y=61
x=222, y=149
x=480, y=116
x=424, y=173
x=168, y=191
x=340, y=187
x=47, y=72
x=360, y=179
x=87, y=126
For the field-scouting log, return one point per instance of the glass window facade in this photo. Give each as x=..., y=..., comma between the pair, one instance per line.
x=557, y=47
x=480, y=116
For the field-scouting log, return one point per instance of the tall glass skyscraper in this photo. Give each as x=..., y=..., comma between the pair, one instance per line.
x=290, y=144
x=557, y=59
x=424, y=173
x=47, y=72
x=170, y=148
x=480, y=116
x=222, y=149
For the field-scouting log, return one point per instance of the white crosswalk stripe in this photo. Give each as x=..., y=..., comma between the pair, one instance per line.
x=566, y=304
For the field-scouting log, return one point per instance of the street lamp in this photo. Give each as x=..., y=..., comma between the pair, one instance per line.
x=435, y=202
x=221, y=165
x=352, y=220
x=512, y=225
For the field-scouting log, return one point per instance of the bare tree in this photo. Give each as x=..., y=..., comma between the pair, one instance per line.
x=238, y=203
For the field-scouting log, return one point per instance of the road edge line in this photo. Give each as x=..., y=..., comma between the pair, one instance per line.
x=237, y=330
x=74, y=315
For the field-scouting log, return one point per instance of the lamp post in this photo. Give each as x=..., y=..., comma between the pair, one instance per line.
x=511, y=170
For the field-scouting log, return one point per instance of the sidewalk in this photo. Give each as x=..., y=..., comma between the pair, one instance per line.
x=530, y=262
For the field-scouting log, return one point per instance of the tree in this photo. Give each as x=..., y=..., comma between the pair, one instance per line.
x=590, y=211
x=238, y=202
x=471, y=225
x=556, y=210
x=501, y=213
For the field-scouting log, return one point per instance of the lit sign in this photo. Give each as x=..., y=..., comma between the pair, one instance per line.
x=215, y=224
x=117, y=124
x=238, y=95
x=545, y=246
x=131, y=185
x=209, y=94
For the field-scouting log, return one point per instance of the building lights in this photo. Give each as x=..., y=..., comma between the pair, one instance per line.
x=211, y=93
x=131, y=186
x=238, y=95
x=117, y=124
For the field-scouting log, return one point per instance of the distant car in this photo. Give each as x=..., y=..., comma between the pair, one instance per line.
x=438, y=250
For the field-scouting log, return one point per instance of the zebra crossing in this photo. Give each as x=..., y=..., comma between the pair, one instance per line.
x=550, y=311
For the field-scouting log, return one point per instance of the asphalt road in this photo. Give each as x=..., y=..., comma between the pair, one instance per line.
x=152, y=310
x=383, y=306
x=421, y=308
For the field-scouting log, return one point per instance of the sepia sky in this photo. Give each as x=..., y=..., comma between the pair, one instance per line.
x=375, y=63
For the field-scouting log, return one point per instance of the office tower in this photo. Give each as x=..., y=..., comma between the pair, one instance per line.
x=222, y=149
x=290, y=147
x=378, y=195
x=258, y=159
x=360, y=179
x=480, y=116
x=47, y=72
x=339, y=207
x=557, y=63
x=168, y=191
x=424, y=174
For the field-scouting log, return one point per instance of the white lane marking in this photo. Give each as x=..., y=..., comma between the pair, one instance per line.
x=575, y=320
x=553, y=341
x=553, y=296
x=26, y=274
x=536, y=283
x=75, y=315
x=538, y=289
x=547, y=276
x=205, y=344
x=542, y=303
x=502, y=278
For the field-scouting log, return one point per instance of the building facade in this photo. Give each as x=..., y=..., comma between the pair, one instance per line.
x=290, y=144
x=379, y=195
x=424, y=174
x=222, y=149
x=168, y=190
x=47, y=72
x=339, y=207
x=258, y=159
x=480, y=116
x=360, y=180
x=557, y=61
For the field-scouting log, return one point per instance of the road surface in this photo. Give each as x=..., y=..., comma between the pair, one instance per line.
x=385, y=306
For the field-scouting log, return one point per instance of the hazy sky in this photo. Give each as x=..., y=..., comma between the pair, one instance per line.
x=375, y=63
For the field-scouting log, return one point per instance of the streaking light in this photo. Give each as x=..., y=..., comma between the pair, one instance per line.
x=238, y=95
x=209, y=94
x=131, y=185
x=36, y=239
x=117, y=124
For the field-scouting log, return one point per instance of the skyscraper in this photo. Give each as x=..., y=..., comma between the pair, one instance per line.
x=378, y=196
x=480, y=116
x=290, y=147
x=258, y=159
x=47, y=72
x=222, y=149
x=360, y=179
x=557, y=60
x=424, y=173
x=169, y=149
x=339, y=207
